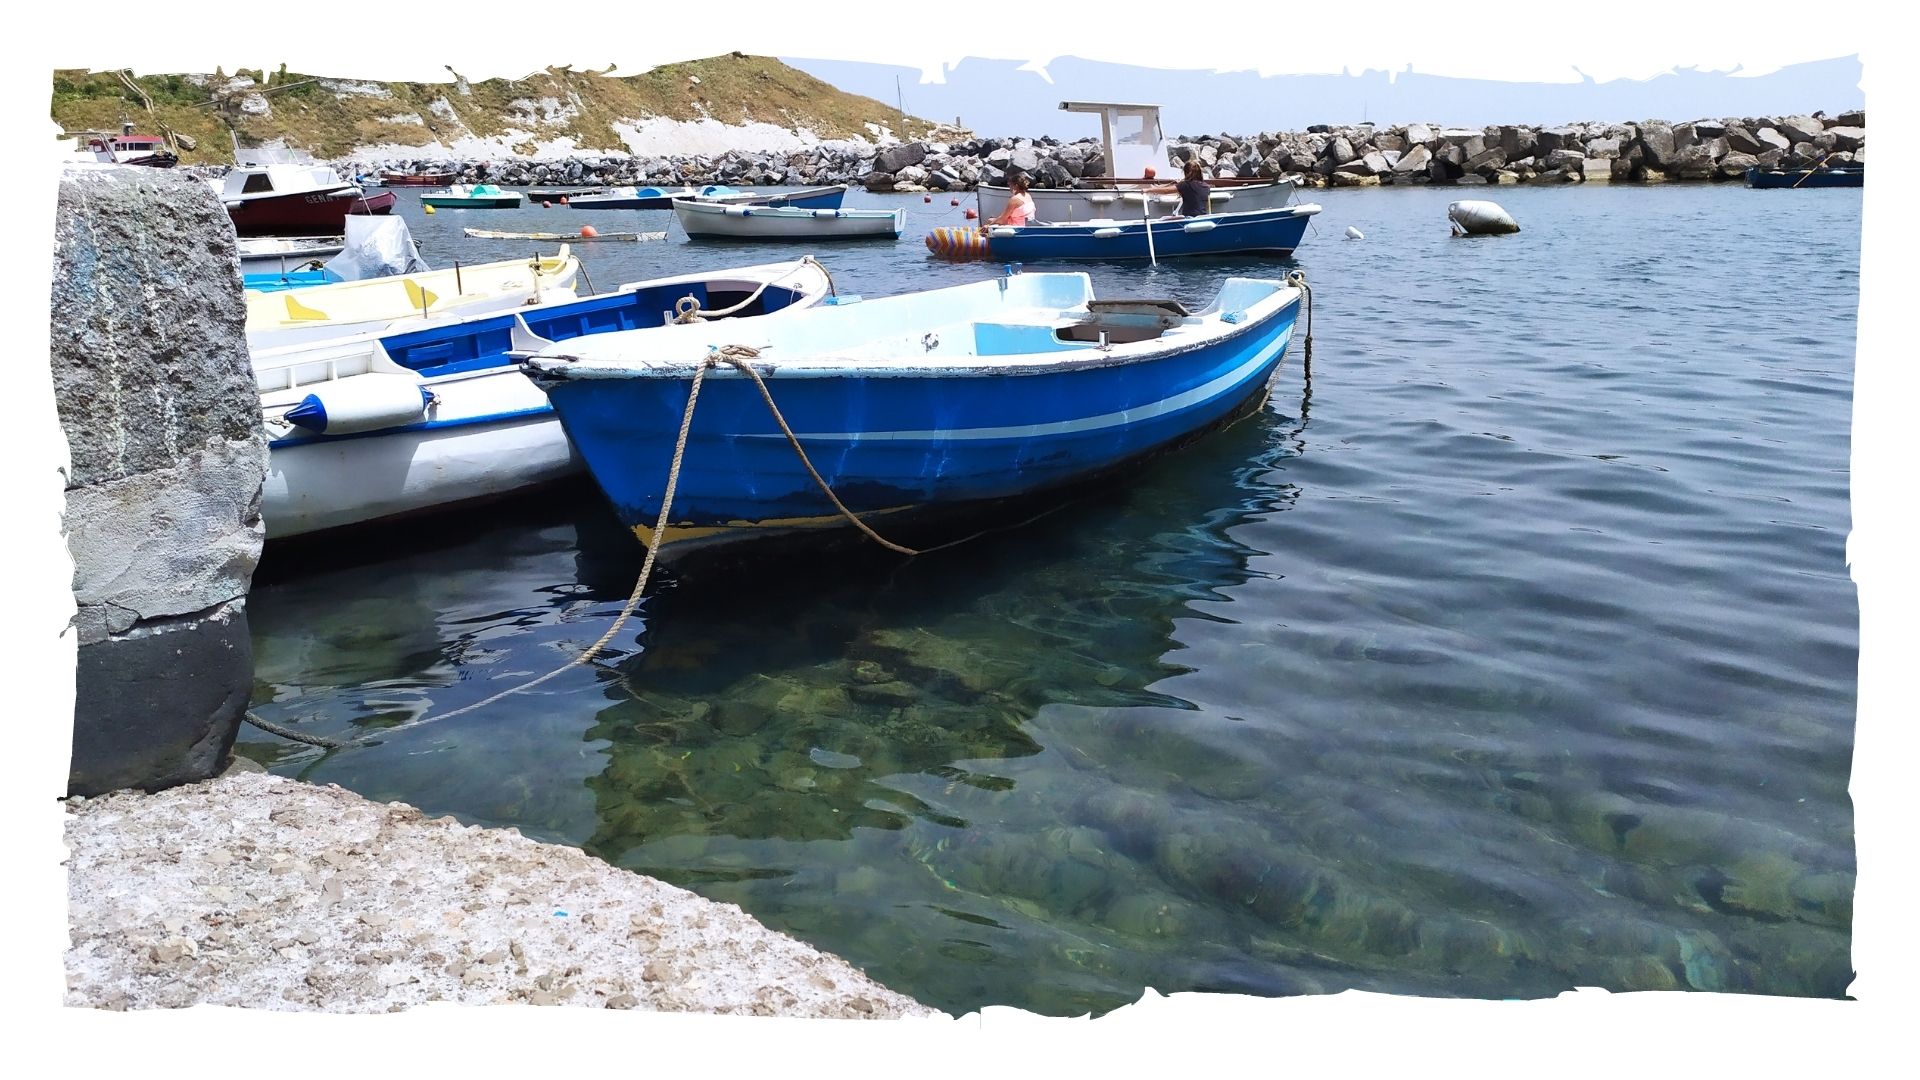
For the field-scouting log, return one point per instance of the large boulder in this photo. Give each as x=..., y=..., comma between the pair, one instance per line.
x=1607, y=148
x=155, y=390
x=1847, y=138
x=1742, y=141
x=1800, y=128
x=1771, y=139
x=1340, y=150
x=1693, y=163
x=1518, y=142
x=1559, y=138
x=1656, y=140
x=1389, y=141
x=1421, y=135
x=1413, y=161
x=895, y=158
x=878, y=181
x=1735, y=165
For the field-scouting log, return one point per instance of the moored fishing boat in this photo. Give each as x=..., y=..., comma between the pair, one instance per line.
x=1134, y=151
x=723, y=221
x=472, y=197
x=637, y=198
x=572, y=238
x=374, y=427
x=1836, y=176
x=278, y=254
x=294, y=198
x=275, y=319
x=944, y=402
x=563, y=193
x=1250, y=232
x=814, y=198
x=423, y=179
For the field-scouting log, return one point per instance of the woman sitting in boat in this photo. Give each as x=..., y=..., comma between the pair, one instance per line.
x=1019, y=209
x=1194, y=191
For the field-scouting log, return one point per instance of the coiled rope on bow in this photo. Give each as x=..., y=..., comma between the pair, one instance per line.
x=687, y=309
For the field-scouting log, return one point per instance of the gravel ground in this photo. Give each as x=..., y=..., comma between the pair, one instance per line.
x=262, y=891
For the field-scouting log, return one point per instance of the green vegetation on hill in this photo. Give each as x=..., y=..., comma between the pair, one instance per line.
x=331, y=117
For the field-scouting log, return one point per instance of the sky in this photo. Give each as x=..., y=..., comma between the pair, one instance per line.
x=1519, y=56
x=1009, y=97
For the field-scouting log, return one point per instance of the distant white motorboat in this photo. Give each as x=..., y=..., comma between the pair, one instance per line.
x=373, y=427
x=706, y=220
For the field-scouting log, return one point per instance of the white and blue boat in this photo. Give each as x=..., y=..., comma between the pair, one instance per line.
x=704, y=220
x=1249, y=232
x=662, y=198
x=932, y=404
x=377, y=426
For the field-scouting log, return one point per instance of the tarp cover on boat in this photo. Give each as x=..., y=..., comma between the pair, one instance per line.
x=377, y=246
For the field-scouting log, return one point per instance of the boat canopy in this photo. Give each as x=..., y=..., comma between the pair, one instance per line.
x=1130, y=135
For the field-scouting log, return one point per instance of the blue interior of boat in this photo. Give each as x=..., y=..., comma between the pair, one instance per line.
x=483, y=343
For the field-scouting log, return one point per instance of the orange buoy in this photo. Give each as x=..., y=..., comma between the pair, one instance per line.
x=971, y=213
x=588, y=230
x=953, y=202
x=563, y=200
x=545, y=205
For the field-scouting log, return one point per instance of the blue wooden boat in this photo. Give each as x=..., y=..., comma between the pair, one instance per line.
x=661, y=198
x=947, y=402
x=291, y=279
x=1249, y=232
x=1838, y=176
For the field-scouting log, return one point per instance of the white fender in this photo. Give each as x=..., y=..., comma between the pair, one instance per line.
x=1004, y=231
x=1106, y=234
x=1477, y=216
x=1198, y=226
x=362, y=403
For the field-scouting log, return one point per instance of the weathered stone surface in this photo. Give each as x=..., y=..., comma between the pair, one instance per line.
x=895, y=158
x=1377, y=163
x=148, y=356
x=1492, y=158
x=1518, y=142
x=1800, y=128
x=1558, y=138
x=1389, y=142
x=1847, y=138
x=1597, y=170
x=155, y=390
x=160, y=706
x=1770, y=139
x=1856, y=118
x=1657, y=141
x=1340, y=150
x=1742, y=141
x=1421, y=135
x=1694, y=163
x=1734, y=166
x=877, y=181
x=1415, y=160
x=1603, y=148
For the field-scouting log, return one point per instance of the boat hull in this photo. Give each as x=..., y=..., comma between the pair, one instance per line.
x=501, y=202
x=275, y=255
x=441, y=179
x=1266, y=232
x=896, y=445
x=820, y=198
x=1085, y=204
x=489, y=432
x=306, y=212
x=1806, y=178
x=713, y=221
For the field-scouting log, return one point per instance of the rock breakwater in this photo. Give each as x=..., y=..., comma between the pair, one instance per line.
x=1362, y=155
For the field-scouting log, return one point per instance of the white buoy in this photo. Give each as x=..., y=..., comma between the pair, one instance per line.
x=1476, y=217
x=1355, y=234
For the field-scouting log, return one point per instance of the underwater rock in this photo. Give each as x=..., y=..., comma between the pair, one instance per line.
x=890, y=694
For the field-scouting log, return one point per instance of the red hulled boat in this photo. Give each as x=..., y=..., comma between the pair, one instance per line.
x=264, y=200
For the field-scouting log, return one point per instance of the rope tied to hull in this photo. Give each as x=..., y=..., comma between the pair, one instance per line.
x=735, y=356
x=1299, y=281
x=687, y=309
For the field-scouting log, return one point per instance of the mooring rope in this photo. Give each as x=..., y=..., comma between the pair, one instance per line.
x=687, y=309
x=626, y=611
x=1299, y=281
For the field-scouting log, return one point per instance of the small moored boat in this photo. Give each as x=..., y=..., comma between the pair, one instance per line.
x=423, y=179
x=373, y=427
x=408, y=301
x=561, y=194
x=472, y=197
x=815, y=198
x=286, y=254
x=1835, y=176
x=722, y=221
x=637, y=198
x=1250, y=232
x=293, y=197
x=497, y=234
x=930, y=404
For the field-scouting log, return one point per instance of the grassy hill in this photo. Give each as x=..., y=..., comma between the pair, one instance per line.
x=331, y=117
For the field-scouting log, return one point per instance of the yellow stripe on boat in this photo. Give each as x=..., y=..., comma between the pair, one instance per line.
x=297, y=311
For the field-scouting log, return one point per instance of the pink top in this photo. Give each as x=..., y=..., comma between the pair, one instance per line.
x=1020, y=209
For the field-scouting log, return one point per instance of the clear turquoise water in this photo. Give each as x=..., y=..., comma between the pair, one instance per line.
x=1512, y=652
